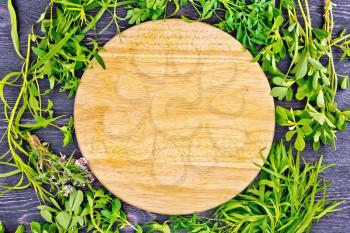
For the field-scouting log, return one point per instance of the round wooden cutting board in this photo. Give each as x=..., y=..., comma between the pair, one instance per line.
x=177, y=120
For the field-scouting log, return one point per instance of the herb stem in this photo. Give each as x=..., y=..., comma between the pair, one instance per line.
x=305, y=22
x=339, y=39
x=24, y=86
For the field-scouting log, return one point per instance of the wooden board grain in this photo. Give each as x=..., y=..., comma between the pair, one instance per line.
x=19, y=207
x=179, y=118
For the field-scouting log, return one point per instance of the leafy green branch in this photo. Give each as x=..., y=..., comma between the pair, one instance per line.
x=314, y=82
x=61, y=55
x=283, y=199
x=287, y=197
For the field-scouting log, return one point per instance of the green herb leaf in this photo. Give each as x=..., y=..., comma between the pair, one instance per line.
x=78, y=199
x=320, y=99
x=279, y=92
x=20, y=229
x=38, y=52
x=46, y=215
x=301, y=67
x=315, y=64
x=320, y=33
x=138, y=229
x=299, y=142
x=116, y=205
x=289, y=134
x=35, y=227
x=63, y=219
x=14, y=34
x=100, y=61
x=345, y=83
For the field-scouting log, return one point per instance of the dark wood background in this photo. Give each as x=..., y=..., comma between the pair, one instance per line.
x=19, y=207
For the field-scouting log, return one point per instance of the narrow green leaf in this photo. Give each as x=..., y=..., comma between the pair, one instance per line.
x=53, y=51
x=306, y=129
x=186, y=19
x=46, y=208
x=100, y=61
x=106, y=214
x=14, y=33
x=55, y=203
x=316, y=145
x=10, y=173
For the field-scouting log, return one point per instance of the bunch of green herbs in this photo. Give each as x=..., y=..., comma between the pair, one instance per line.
x=311, y=77
x=287, y=197
x=91, y=211
x=282, y=199
x=61, y=50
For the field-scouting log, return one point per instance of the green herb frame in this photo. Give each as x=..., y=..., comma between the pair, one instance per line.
x=63, y=50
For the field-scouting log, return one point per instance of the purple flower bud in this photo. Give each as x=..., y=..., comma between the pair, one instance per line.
x=63, y=158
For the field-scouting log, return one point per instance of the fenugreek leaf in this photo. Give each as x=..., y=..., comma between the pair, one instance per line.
x=320, y=99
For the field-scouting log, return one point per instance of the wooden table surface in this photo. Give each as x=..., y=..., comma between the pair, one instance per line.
x=19, y=207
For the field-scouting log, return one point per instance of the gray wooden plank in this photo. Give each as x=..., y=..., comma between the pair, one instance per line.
x=20, y=207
